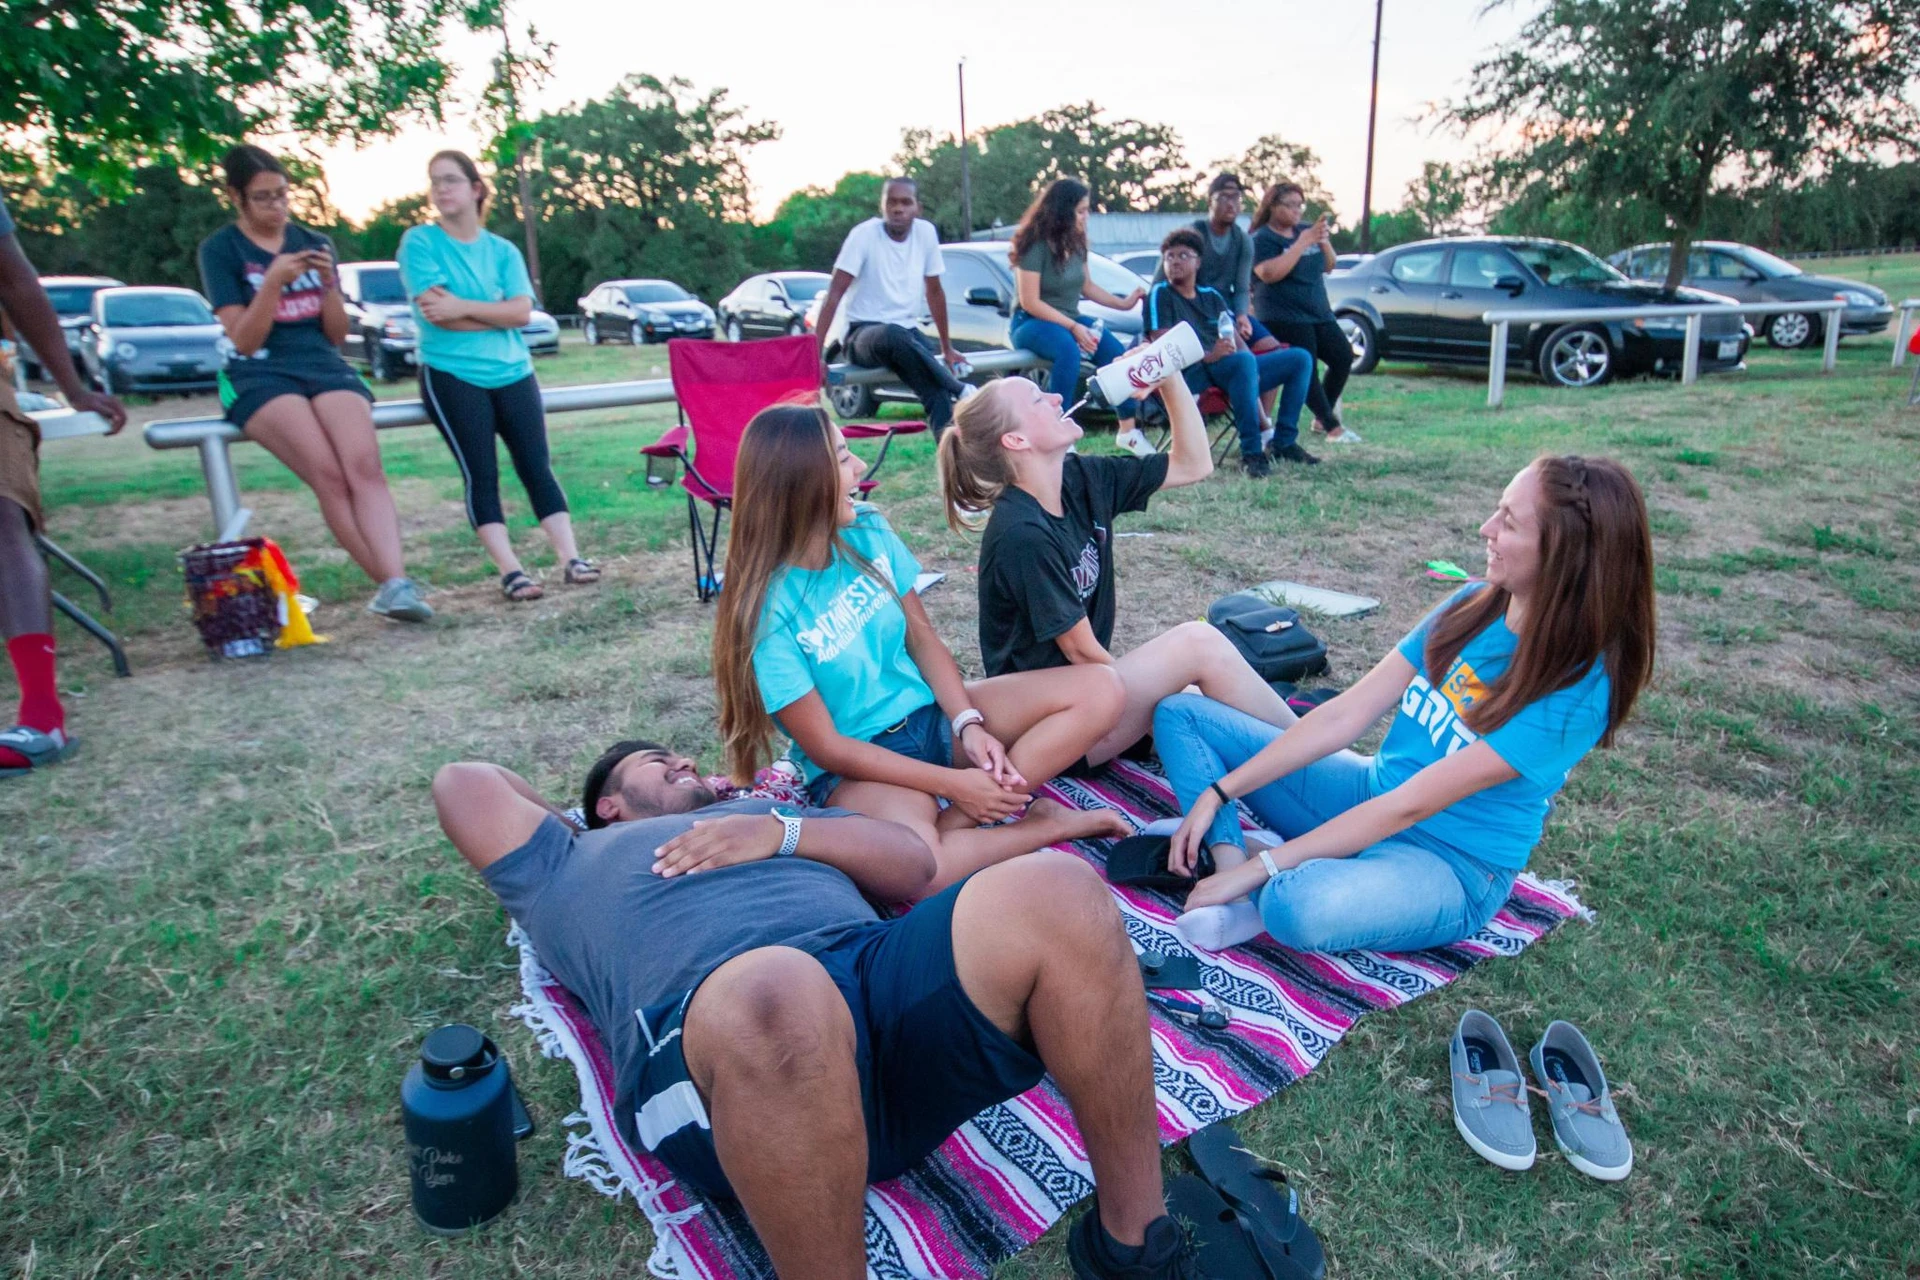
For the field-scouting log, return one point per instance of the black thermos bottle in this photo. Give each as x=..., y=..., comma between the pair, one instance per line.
x=457, y=1103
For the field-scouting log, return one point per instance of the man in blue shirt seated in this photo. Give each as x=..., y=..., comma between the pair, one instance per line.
x=777, y=1042
x=1228, y=364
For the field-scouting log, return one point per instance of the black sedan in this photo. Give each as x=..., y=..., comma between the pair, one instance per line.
x=772, y=305
x=1753, y=275
x=1424, y=302
x=641, y=311
x=151, y=338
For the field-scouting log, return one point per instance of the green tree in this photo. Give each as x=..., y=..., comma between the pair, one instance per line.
x=97, y=89
x=1439, y=199
x=809, y=226
x=151, y=237
x=1616, y=108
x=1273, y=159
x=649, y=180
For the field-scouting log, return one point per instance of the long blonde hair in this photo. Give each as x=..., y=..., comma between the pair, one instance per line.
x=973, y=467
x=786, y=495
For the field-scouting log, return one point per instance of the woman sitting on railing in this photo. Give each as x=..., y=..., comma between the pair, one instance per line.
x=819, y=624
x=471, y=297
x=271, y=282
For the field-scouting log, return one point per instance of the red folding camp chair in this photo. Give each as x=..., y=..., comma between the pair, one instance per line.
x=720, y=386
x=1219, y=419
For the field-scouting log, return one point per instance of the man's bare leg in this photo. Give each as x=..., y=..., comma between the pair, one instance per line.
x=1191, y=654
x=770, y=1046
x=1040, y=950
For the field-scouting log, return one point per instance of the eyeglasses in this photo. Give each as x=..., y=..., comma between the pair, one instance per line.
x=447, y=182
x=1180, y=255
x=267, y=199
x=1293, y=204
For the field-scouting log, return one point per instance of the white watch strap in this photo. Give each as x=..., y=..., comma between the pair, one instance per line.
x=972, y=715
x=1266, y=860
x=790, y=836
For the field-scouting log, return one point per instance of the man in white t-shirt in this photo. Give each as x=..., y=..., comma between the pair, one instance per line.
x=886, y=267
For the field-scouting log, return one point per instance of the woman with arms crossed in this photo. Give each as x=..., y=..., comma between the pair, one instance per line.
x=471, y=297
x=819, y=625
x=1047, y=582
x=1499, y=692
x=271, y=283
x=1049, y=256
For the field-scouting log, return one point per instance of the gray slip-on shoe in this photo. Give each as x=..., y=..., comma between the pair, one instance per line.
x=1490, y=1093
x=1586, y=1128
x=400, y=599
x=40, y=747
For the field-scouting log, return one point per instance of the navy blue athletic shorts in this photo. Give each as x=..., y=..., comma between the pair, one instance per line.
x=929, y=1060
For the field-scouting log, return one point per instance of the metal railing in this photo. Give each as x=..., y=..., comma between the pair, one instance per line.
x=1901, y=330
x=1693, y=312
x=214, y=437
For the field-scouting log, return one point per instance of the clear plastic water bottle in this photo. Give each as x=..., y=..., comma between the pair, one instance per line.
x=1225, y=328
x=1099, y=330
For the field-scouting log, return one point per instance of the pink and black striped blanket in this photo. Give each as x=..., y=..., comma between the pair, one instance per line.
x=1010, y=1173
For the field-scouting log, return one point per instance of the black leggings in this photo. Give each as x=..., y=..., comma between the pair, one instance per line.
x=1323, y=340
x=469, y=417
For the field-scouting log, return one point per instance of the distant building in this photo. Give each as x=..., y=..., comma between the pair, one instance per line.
x=1116, y=233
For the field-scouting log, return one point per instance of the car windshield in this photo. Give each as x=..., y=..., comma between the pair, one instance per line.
x=1111, y=276
x=657, y=291
x=1769, y=266
x=382, y=285
x=803, y=288
x=151, y=310
x=1565, y=264
x=73, y=299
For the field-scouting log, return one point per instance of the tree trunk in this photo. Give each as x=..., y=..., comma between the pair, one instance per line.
x=530, y=220
x=1677, y=262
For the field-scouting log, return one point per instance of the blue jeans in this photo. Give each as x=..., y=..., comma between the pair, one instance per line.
x=1290, y=369
x=1401, y=894
x=1054, y=343
x=1239, y=376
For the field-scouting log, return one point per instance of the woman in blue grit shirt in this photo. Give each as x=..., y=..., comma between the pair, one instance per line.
x=1497, y=695
x=471, y=297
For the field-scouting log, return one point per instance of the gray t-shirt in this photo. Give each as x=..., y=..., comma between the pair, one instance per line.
x=1060, y=282
x=1226, y=264
x=622, y=938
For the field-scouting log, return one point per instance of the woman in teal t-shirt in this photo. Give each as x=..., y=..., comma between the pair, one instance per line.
x=1499, y=693
x=820, y=625
x=471, y=297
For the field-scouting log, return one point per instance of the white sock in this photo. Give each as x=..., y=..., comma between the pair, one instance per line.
x=1217, y=928
x=1162, y=827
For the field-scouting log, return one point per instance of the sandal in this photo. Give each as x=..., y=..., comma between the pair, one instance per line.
x=1268, y=1208
x=581, y=572
x=39, y=747
x=519, y=588
x=1222, y=1247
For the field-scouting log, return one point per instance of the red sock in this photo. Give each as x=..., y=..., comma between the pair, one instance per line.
x=39, y=696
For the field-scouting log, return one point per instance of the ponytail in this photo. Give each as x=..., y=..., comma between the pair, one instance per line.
x=972, y=465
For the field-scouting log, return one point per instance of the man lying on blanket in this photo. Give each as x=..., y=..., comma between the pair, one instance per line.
x=778, y=1042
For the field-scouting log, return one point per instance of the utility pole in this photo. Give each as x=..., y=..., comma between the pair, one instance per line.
x=529, y=221
x=1373, y=111
x=966, y=188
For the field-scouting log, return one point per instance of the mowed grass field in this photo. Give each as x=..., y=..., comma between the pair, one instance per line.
x=226, y=925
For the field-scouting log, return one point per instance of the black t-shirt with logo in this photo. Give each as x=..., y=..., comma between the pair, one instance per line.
x=1040, y=574
x=232, y=268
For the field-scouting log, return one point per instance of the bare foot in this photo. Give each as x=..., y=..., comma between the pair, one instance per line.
x=1062, y=824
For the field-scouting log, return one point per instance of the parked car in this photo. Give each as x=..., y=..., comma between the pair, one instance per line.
x=1348, y=261
x=152, y=338
x=72, y=298
x=643, y=311
x=380, y=324
x=1753, y=275
x=1142, y=262
x=980, y=295
x=1424, y=302
x=771, y=305
x=382, y=331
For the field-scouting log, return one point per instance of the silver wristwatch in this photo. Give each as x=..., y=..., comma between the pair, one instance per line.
x=790, y=838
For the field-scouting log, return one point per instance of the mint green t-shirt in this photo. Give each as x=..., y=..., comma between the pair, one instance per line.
x=488, y=270
x=838, y=631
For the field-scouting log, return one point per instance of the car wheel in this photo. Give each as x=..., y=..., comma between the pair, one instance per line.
x=637, y=335
x=733, y=330
x=1364, y=341
x=109, y=383
x=379, y=363
x=852, y=401
x=1576, y=356
x=1790, y=331
x=591, y=332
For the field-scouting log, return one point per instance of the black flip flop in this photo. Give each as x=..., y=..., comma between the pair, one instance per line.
x=1140, y=862
x=1221, y=1248
x=1268, y=1207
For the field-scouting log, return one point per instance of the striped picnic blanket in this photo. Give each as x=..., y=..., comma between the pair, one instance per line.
x=1010, y=1173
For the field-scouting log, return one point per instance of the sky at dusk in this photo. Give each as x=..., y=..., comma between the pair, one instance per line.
x=843, y=79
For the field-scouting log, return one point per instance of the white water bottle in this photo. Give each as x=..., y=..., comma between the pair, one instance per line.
x=1144, y=367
